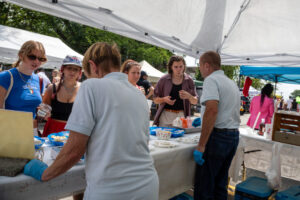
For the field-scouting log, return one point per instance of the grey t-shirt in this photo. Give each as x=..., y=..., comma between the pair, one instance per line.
x=219, y=87
x=116, y=117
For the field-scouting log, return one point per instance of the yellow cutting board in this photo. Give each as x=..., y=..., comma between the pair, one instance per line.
x=16, y=134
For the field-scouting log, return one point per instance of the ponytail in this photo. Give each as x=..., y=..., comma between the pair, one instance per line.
x=16, y=64
x=60, y=82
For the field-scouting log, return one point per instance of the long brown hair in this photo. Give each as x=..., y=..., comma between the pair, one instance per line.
x=27, y=48
x=173, y=59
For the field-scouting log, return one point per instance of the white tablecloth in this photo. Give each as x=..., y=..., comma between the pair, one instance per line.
x=175, y=168
x=289, y=154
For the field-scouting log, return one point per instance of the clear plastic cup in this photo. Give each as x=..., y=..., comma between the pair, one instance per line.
x=44, y=109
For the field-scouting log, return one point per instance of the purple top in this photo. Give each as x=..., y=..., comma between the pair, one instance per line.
x=164, y=87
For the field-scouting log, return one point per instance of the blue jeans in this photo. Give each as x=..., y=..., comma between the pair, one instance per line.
x=211, y=178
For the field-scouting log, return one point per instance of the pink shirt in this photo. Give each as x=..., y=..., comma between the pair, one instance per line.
x=266, y=111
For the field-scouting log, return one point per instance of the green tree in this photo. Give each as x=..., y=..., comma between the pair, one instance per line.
x=80, y=37
x=231, y=71
x=295, y=94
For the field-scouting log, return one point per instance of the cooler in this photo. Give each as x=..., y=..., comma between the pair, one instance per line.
x=292, y=193
x=254, y=188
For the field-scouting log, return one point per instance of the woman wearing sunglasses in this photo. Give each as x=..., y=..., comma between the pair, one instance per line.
x=60, y=96
x=19, y=86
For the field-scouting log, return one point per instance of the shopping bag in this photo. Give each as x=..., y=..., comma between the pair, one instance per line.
x=273, y=173
x=16, y=133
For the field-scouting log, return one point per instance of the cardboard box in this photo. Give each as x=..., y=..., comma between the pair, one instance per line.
x=286, y=128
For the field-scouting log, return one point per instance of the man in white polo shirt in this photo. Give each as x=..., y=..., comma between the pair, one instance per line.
x=219, y=139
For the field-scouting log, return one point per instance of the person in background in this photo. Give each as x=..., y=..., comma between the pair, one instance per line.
x=46, y=82
x=25, y=92
x=174, y=92
x=55, y=79
x=289, y=103
x=219, y=138
x=262, y=105
x=61, y=96
x=112, y=131
x=55, y=76
x=133, y=70
x=281, y=104
x=143, y=82
x=294, y=105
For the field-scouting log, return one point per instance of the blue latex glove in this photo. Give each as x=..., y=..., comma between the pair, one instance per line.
x=198, y=157
x=196, y=122
x=35, y=169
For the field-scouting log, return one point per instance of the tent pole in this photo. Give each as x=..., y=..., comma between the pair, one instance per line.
x=275, y=85
x=239, y=83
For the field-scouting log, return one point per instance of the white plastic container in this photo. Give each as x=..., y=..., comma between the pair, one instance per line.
x=163, y=135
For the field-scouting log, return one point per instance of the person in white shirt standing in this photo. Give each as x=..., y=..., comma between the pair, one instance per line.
x=219, y=138
x=110, y=122
x=289, y=103
x=46, y=82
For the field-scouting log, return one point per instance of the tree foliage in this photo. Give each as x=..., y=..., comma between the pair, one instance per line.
x=295, y=94
x=231, y=71
x=80, y=37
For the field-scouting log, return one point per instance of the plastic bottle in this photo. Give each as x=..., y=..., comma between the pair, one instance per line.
x=184, y=122
x=262, y=127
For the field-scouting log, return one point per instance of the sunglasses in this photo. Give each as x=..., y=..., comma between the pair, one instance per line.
x=33, y=57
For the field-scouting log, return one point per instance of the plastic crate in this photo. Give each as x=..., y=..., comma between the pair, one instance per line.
x=292, y=193
x=254, y=188
x=183, y=196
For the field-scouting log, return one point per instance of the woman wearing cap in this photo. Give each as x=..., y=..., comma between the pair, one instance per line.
x=174, y=92
x=143, y=82
x=20, y=87
x=60, y=96
x=133, y=70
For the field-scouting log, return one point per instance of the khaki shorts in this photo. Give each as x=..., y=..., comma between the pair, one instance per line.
x=166, y=118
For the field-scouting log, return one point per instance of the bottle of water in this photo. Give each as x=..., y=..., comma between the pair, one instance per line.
x=262, y=126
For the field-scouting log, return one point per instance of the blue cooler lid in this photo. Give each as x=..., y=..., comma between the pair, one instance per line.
x=292, y=193
x=255, y=186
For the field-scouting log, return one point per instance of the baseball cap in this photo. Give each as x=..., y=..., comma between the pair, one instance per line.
x=143, y=73
x=72, y=60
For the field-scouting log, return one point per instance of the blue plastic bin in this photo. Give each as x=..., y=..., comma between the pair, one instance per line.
x=183, y=196
x=292, y=193
x=254, y=188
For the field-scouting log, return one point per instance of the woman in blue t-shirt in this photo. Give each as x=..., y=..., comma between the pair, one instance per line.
x=19, y=86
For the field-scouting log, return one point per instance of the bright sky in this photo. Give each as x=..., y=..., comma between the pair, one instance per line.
x=286, y=89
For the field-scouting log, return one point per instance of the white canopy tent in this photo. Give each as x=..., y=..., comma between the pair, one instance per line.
x=153, y=74
x=11, y=40
x=248, y=32
x=253, y=92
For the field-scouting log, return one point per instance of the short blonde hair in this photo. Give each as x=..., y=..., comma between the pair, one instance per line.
x=104, y=55
x=27, y=48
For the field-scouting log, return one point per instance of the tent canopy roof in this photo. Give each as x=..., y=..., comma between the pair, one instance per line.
x=11, y=40
x=244, y=32
x=274, y=74
x=153, y=74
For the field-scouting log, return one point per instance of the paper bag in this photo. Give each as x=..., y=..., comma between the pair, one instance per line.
x=16, y=134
